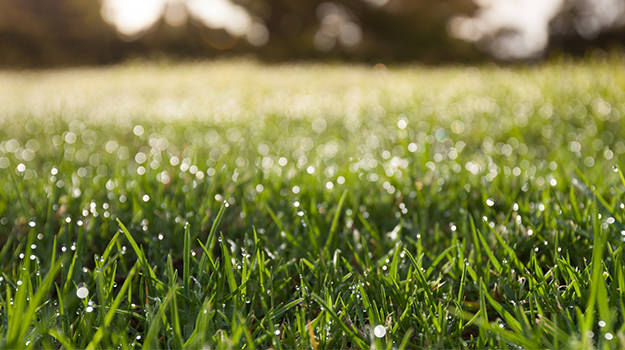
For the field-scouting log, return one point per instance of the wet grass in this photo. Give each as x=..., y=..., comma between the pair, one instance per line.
x=231, y=205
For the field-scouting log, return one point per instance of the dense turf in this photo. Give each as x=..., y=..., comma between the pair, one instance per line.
x=231, y=205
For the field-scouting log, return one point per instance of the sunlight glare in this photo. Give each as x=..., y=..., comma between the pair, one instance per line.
x=132, y=18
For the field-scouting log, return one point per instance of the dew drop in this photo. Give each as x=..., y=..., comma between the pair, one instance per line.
x=82, y=292
x=379, y=331
x=138, y=130
x=590, y=334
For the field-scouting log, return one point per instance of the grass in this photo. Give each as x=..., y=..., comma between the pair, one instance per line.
x=231, y=205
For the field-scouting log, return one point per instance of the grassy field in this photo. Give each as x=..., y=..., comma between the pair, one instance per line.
x=230, y=205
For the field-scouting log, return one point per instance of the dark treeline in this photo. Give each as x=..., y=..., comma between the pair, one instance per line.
x=69, y=32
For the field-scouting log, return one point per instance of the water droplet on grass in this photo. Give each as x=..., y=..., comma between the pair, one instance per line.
x=379, y=331
x=82, y=292
x=138, y=130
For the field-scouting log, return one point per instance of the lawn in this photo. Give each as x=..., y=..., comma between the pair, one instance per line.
x=232, y=205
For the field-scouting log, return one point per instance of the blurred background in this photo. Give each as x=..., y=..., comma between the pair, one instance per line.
x=45, y=33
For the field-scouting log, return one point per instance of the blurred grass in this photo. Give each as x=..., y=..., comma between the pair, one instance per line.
x=301, y=206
